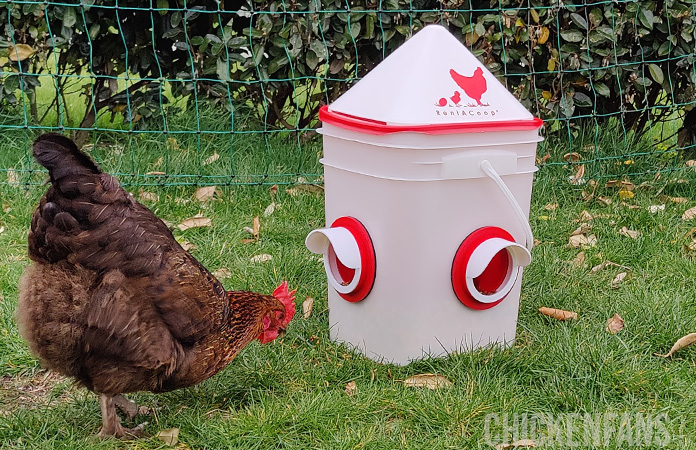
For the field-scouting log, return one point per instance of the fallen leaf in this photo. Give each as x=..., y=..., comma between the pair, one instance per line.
x=618, y=279
x=606, y=264
x=680, y=344
x=222, y=273
x=604, y=200
x=159, y=162
x=690, y=163
x=351, y=388
x=169, y=436
x=2, y=229
x=572, y=157
x=623, y=185
x=558, y=314
x=156, y=173
x=626, y=205
x=305, y=189
x=427, y=380
x=582, y=229
x=678, y=200
x=256, y=227
x=261, y=258
x=148, y=196
x=196, y=221
x=307, y=306
x=211, y=159
x=579, y=260
x=186, y=245
x=580, y=240
x=615, y=324
x=205, y=193
x=528, y=443
x=585, y=216
x=270, y=209
x=12, y=177
x=578, y=179
x=656, y=208
x=274, y=189
x=689, y=213
x=19, y=52
x=551, y=206
x=633, y=234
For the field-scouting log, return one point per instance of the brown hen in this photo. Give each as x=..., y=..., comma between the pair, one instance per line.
x=112, y=300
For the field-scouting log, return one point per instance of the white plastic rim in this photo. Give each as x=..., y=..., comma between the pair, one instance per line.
x=482, y=256
x=337, y=244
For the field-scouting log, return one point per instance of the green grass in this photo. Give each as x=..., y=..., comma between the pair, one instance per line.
x=290, y=394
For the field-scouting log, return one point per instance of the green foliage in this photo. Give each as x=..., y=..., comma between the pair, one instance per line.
x=282, y=59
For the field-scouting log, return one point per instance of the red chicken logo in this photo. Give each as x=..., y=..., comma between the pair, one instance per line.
x=474, y=87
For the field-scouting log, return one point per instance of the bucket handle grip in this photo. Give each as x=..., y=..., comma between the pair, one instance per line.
x=488, y=169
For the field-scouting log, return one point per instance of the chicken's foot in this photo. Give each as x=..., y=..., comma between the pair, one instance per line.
x=111, y=424
x=129, y=408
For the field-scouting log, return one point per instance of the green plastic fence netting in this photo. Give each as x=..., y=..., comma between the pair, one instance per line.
x=171, y=92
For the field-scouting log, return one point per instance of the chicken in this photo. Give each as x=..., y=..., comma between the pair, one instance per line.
x=474, y=86
x=112, y=300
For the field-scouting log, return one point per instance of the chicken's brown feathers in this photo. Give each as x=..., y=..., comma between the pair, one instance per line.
x=112, y=299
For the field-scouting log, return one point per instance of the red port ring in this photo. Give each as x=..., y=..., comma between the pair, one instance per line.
x=345, y=275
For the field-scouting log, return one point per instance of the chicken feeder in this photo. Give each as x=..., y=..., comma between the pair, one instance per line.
x=428, y=169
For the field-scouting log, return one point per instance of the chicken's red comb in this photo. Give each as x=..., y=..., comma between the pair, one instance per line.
x=288, y=299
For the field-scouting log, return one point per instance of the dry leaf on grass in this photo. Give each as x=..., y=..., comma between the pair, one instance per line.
x=585, y=217
x=579, y=260
x=211, y=159
x=678, y=200
x=305, y=189
x=307, y=306
x=12, y=177
x=606, y=201
x=618, y=279
x=582, y=229
x=205, y=193
x=578, y=179
x=351, y=388
x=273, y=189
x=580, y=240
x=148, y=196
x=186, y=245
x=606, y=264
x=270, y=209
x=222, y=273
x=558, y=314
x=633, y=234
x=622, y=185
x=572, y=157
x=427, y=380
x=169, y=436
x=680, y=344
x=689, y=213
x=551, y=206
x=690, y=163
x=196, y=221
x=2, y=229
x=523, y=443
x=261, y=258
x=615, y=324
x=255, y=231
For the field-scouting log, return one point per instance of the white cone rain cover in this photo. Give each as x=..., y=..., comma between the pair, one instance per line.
x=431, y=79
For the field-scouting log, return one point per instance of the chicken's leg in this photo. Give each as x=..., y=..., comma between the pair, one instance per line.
x=111, y=424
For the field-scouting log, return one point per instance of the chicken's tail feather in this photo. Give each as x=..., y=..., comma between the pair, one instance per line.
x=61, y=157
